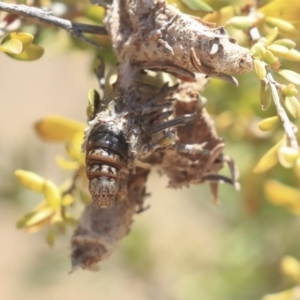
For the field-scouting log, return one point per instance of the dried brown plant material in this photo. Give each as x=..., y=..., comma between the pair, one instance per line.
x=154, y=35
x=100, y=230
x=197, y=155
x=189, y=161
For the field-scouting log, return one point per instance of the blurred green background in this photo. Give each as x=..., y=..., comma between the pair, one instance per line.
x=184, y=246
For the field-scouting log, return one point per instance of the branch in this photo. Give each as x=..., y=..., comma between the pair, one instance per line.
x=76, y=29
x=157, y=36
x=287, y=125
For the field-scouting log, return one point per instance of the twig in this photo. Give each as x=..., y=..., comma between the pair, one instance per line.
x=72, y=186
x=287, y=125
x=76, y=29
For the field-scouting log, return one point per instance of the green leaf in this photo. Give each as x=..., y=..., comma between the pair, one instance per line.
x=51, y=237
x=32, y=52
x=287, y=156
x=70, y=220
x=268, y=124
x=22, y=221
x=289, y=90
x=52, y=194
x=293, y=106
x=30, y=180
x=265, y=96
x=24, y=37
x=67, y=200
x=73, y=148
x=290, y=44
x=290, y=76
x=282, y=195
x=259, y=69
x=272, y=35
x=33, y=219
x=59, y=223
x=66, y=164
x=198, y=5
x=94, y=13
x=270, y=59
x=278, y=50
x=12, y=47
x=284, y=52
x=242, y=22
x=282, y=9
x=283, y=26
x=58, y=128
x=269, y=160
x=93, y=104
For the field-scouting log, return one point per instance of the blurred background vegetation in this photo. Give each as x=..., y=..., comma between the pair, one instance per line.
x=184, y=246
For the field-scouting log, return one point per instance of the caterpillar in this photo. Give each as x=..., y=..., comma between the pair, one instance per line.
x=106, y=154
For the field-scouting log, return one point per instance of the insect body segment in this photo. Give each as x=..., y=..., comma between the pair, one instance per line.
x=106, y=154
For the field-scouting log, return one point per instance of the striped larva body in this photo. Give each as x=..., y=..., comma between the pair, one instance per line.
x=106, y=155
